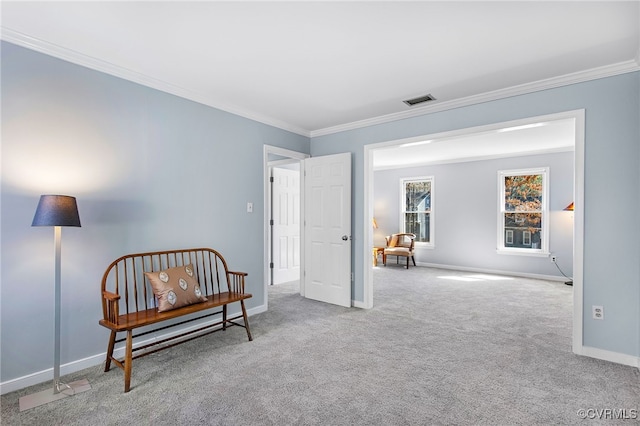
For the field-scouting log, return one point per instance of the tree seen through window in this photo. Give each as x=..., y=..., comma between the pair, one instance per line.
x=417, y=208
x=523, y=211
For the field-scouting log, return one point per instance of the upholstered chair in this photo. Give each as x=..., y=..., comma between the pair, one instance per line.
x=399, y=245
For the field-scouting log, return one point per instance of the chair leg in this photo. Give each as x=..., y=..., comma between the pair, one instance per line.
x=384, y=259
x=112, y=342
x=224, y=317
x=128, y=359
x=407, y=262
x=246, y=320
x=414, y=260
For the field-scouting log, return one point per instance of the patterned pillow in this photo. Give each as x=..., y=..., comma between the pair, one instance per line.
x=175, y=287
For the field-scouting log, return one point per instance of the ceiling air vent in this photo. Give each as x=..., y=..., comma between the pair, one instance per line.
x=419, y=100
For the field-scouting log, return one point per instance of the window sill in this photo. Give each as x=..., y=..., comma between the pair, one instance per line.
x=421, y=245
x=524, y=252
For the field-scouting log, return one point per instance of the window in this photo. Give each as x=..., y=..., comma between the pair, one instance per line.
x=523, y=220
x=417, y=208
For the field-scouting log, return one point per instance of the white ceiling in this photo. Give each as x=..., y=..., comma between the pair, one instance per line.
x=319, y=67
x=495, y=141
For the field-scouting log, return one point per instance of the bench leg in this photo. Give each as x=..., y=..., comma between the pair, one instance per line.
x=246, y=320
x=112, y=342
x=127, y=361
x=224, y=317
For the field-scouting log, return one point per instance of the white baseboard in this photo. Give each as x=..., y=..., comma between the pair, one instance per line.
x=92, y=361
x=358, y=304
x=47, y=375
x=605, y=355
x=493, y=271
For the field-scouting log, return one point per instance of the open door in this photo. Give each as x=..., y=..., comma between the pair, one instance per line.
x=327, y=229
x=286, y=225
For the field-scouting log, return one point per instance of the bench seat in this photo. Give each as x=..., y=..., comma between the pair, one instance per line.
x=146, y=317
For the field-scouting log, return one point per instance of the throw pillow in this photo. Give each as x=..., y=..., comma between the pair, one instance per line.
x=175, y=287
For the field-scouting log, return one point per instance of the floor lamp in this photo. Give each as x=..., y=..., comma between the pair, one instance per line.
x=569, y=208
x=56, y=211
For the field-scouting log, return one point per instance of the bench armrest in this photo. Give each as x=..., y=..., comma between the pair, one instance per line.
x=236, y=282
x=110, y=306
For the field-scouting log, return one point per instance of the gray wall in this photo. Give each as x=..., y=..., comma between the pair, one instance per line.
x=612, y=154
x=150, y=171
x=465, y=213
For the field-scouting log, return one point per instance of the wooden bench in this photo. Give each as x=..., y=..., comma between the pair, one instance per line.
x=128, y=301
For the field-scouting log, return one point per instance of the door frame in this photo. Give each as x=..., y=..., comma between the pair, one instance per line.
x=293, y=155
x=578, y=220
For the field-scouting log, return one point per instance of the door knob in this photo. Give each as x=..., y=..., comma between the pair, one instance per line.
x=345, y=238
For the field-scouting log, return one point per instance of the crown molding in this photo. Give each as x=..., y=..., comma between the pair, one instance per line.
x=550, y=83
x=87, y=61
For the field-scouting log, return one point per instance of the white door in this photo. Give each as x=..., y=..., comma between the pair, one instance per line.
x=286, y=225
x=327, y=228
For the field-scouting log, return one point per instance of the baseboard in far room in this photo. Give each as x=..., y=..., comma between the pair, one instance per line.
x=492, y=271
x=92, y=361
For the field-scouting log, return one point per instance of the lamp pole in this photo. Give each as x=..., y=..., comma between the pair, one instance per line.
x=57, y=230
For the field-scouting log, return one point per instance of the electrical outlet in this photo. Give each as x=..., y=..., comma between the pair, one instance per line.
x=554, y=258
x=597, y=312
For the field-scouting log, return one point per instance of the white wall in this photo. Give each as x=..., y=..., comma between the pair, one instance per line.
x=465, y=206
x=150, y=171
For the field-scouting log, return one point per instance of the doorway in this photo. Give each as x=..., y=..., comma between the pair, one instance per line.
x=282, y=238
x=284, y=222
x=325, y=235
x=578, y=118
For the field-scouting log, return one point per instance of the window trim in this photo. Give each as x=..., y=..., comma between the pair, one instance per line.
x=544, y=232
x=422, y=244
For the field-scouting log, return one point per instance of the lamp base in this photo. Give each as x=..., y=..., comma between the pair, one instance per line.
x=46, y=396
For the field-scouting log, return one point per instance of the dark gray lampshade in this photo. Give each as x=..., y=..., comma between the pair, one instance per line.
x=56, y=210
